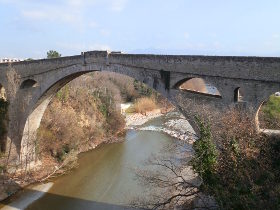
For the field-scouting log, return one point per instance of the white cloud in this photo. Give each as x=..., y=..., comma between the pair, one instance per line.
x=72, y=12
x=92, y=24
x=99, y=47
x=186, y=35
x=105, y=32
x=213, y=35
x=34, y=14
x=118, y=5
x=217, y=45
x=50, y=15
x=78, y=47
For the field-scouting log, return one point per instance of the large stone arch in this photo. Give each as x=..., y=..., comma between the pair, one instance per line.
x=34, y=113
x=264, y=97
x=42, y=95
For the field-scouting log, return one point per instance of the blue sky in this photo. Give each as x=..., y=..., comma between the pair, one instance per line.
x=29, y=28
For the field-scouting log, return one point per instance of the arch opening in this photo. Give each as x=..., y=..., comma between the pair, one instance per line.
x=3, y=93
x=29, y=83
x=238, y=96
x=268, y=115
x=108, y=92
x=198, y=85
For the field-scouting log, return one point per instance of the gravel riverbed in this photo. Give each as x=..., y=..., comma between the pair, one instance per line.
x=175, y=124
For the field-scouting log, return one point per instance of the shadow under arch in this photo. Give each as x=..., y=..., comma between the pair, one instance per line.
x=4, y=105
x=198, y=85
x=29, y=83
x=3, y=92
x=238, y=95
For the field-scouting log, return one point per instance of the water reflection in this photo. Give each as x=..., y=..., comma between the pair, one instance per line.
x=104, y=176
x=55, y=202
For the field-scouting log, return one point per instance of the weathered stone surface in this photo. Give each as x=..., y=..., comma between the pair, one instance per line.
x=257, y=77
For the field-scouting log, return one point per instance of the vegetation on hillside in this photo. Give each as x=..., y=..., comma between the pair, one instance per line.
x=86, y=112
x=245, y=172
x=237, y=166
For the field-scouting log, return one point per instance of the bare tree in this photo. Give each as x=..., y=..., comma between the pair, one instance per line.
x=169, y=179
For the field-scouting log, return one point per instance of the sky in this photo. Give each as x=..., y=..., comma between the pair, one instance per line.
x=29, y=28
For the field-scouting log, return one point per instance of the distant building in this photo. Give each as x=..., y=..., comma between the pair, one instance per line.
x=9, y=60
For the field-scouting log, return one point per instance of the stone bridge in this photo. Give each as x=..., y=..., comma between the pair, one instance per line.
x=30, y=85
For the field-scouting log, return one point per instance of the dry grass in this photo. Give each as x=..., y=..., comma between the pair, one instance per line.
x=144, y=105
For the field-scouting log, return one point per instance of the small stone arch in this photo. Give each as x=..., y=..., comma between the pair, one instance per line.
x=199, y=86
x=3, y=92
x=238, y=96
x=29, y=83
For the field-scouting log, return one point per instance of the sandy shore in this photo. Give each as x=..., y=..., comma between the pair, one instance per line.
x=137, y=119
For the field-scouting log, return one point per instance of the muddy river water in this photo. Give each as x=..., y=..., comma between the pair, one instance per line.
x=105, y=177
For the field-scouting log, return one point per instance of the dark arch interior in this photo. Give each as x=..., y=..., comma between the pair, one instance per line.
x=2, y=92
x=3, y=118
x=238, y=96
x=28, y=84
x=198, y=85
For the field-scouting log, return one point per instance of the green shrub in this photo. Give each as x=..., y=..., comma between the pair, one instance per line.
x=269, y=114
x=142, y=89
x=2, y=168
x=62, y=152
x=63, y=93
x=205, y=159
x=272, y=107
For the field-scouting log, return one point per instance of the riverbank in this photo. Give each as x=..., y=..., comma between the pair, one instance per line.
x=123, y=156
x=49, y=169
x=176, y=125
x=136, y=119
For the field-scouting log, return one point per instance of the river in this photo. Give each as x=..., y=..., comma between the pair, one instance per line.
x=105, y=177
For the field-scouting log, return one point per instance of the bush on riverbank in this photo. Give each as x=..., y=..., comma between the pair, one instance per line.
x=143, y=105
x=81, y=115
x=247, y=172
